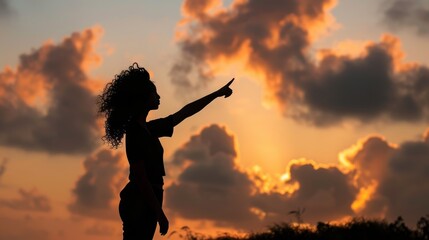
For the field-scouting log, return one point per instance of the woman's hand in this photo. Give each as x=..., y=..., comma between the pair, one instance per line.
x=163, y=224
x=225, y=90
x=196, y=106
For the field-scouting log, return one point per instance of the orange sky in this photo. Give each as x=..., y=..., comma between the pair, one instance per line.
x=329, y=113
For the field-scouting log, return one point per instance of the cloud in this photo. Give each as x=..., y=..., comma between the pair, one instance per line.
x=325, y=192
x=371, y=86
x=4, y=8
x=264, y=31
x=46, y=102
x=402, y=14
x=213, y=187
x=393, y=177
x=273, y=41
x=373, y=178
x=96, y=191
x=30, y=200
x=3, y=168
x=404, y=190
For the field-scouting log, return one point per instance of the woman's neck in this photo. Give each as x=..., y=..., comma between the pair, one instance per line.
x=142, y=117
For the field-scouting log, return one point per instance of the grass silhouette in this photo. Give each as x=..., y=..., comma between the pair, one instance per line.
x=355, y=229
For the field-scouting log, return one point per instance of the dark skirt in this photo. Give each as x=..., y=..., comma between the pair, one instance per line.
x=138, y=219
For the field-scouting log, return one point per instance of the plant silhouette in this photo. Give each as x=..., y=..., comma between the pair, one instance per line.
x=355, y=229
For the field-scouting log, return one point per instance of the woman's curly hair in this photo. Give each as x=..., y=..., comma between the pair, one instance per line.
x=122, y=99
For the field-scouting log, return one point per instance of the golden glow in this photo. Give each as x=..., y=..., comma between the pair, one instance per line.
x=351, y=48
x=267, y=183
x=32, y=89
x=263, y=182
x=365, y=194
x=55, y=175
x=95, y=85
x=179, y=226
x=324, y=24
x=195, y=9
x=91, y=38
x=426, y=135
x=346, y=155
x=355, y=49
x=285, y=177
x=234, y=62
x=258, y=212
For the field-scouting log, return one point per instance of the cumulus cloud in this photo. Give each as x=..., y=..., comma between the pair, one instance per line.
x=213, y=187
x=4, y=8
x=370, y=86
x=97, y=190
x=3, y=168
x=273, y=40
x=325, y=192
x=265, y=31
x=393, y=178
x=373, y=178
x=30, y=200
x=46, y=103
x=402, y=14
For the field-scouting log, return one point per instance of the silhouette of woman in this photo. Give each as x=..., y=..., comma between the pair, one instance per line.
x=125, y=103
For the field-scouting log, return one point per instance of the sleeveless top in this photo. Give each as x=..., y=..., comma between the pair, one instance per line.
x=143, y=144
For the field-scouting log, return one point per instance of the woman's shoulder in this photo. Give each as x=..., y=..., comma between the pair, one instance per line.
x=161, y=127
x=132, y=125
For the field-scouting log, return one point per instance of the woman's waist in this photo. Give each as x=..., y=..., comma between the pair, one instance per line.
x=132, y=188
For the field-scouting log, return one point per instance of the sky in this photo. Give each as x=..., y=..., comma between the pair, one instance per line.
x=329, y=114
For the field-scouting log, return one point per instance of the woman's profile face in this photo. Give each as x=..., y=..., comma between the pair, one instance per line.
x=153, y=100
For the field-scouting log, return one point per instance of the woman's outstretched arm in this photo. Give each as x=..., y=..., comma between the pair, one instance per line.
x=196, y=106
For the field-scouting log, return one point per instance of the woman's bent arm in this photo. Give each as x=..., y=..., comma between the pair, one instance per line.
x=146, y=188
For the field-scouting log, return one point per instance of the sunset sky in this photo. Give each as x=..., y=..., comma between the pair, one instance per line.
x=329, y=114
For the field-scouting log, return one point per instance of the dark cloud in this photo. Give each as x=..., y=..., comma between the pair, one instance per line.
x=98, y=188
x=426, y=136
x=399, y=175
x=28, y=201
x=383, y=180
x=274, y=39
x=403, y=14
x=371, y=162
x=46, y=103
x=326, y=194
x=4, y=8
x=367, y=87
x=212, y=187
x=364, y=88
x=404, y=190
x=224, y=33
x=3, y=168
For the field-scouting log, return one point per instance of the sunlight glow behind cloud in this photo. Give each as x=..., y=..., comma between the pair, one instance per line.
x=46, y=103
x=275, y=40
x=211, y=179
